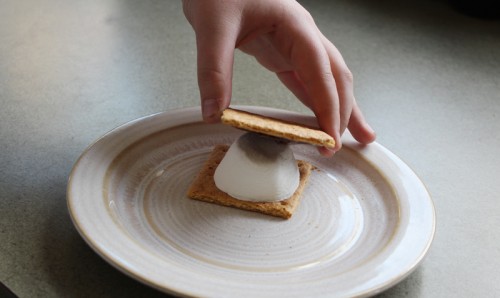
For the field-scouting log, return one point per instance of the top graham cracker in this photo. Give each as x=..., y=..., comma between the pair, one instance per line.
x=276, y=128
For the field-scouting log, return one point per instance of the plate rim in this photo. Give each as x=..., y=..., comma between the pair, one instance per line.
x=172, y=289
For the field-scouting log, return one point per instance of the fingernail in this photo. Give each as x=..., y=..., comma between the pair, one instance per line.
x=370, y=129
x=326, y=152
x=210, y=110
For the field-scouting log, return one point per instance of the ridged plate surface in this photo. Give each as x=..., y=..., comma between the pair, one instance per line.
x=364, y=223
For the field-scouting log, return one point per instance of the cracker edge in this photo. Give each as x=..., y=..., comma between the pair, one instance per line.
x=271, y=126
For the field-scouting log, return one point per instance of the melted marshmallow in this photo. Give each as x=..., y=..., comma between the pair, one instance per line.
x=258, y=168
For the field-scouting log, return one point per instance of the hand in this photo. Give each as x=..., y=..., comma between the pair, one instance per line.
x=283, y=37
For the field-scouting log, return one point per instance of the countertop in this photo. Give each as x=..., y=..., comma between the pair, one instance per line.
x=426, y=76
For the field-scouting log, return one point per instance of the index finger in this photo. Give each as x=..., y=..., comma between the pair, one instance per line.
x=215, y=41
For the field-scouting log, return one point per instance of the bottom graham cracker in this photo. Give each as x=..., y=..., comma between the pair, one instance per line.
x=204, y=189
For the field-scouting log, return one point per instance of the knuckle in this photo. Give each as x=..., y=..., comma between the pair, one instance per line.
x=319, y=79
x=308, y=16
x=212, y=83
x=212, y=75
x=347, y=76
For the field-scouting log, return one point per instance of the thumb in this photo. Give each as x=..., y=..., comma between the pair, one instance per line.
x=215, y=49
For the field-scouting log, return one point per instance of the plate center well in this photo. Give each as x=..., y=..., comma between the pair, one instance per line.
x=329, y=225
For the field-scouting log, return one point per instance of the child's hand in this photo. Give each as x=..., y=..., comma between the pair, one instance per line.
x=283, y=37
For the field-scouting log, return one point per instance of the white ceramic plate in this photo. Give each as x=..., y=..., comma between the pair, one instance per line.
x=364, y=223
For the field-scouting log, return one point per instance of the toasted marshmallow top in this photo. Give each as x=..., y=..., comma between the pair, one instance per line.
x=258, y=168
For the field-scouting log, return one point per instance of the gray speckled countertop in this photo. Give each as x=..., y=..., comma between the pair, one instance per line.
x=426, y=76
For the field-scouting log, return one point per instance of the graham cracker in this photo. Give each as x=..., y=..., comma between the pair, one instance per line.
x=204, y=189
x=276, y=128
